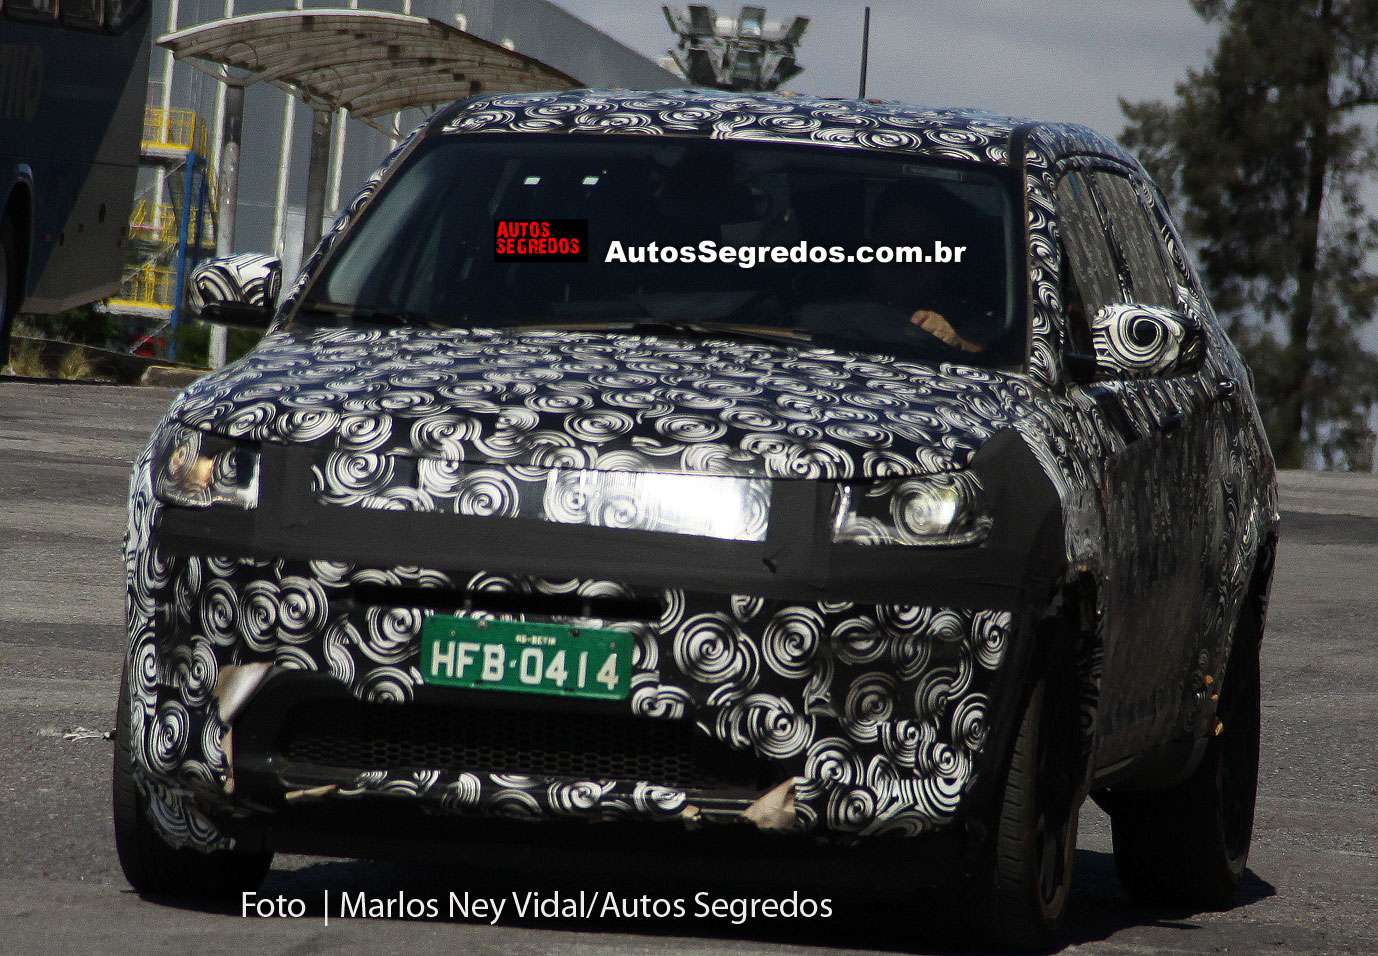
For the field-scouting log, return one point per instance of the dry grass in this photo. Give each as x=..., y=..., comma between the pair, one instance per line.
x=74, y=365
x=26, y=358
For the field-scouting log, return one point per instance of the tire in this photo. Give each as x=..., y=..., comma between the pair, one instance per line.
x=1036, y=835
x=1189, y=845
x=153, y=867
x=10, y=282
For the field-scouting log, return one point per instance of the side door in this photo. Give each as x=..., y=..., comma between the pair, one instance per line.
x=1236, y=444
x=1155, y=534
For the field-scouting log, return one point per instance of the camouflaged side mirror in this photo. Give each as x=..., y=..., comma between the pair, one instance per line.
x=1145, y=341
x=236, y=290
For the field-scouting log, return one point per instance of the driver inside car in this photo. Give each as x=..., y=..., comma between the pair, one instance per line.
x=909, y=299
x=938, y=291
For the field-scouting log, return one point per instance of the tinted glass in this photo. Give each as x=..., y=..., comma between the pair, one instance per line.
x=119, y=13
x=31, y=8
x=426, y=247
x=1139, y=241
x=82, y=12
x=1180, y=272
x=1084, y=240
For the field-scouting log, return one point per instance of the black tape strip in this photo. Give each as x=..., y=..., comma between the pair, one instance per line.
x=796, y=546
x=796, y=561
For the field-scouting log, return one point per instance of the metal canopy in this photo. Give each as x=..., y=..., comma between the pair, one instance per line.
x=368, y=62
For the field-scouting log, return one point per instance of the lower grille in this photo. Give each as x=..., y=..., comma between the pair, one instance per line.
x=358, y=736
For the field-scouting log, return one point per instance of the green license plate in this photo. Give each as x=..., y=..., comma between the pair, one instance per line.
x=531, y=658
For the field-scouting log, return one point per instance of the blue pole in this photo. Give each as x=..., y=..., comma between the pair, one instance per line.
x=201, y=196
x=184, y=221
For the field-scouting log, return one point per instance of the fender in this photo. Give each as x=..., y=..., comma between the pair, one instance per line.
x=18, y=202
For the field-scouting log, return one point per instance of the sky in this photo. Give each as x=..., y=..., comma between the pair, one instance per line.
x=1056, y=60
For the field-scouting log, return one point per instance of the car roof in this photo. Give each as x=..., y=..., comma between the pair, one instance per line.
x=960, y=134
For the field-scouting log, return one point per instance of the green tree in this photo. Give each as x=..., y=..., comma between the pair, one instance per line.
x=1263, y=154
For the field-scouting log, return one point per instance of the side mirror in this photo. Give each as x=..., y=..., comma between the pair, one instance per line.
x=236, y=290
x=1140, y=341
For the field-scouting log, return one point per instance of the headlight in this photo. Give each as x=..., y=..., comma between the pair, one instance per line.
x=708, y=505
x=940, y=509
x=197, y=470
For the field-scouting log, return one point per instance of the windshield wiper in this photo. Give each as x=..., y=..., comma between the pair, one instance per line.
x=722, y=330
x=378, y=316
x=705, y=330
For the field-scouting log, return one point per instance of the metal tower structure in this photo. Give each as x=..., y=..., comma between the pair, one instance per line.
x=734, y=54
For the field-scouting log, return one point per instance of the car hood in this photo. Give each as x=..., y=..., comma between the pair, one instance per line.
x=607, y=401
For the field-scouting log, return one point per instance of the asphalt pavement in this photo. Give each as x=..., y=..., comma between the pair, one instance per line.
x=65, y=454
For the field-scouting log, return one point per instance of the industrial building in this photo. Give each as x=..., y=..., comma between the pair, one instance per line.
x=186, y=110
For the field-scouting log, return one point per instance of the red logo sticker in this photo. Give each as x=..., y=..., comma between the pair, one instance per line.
x=540, y=240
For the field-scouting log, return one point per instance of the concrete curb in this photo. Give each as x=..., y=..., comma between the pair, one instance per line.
x=169, y=376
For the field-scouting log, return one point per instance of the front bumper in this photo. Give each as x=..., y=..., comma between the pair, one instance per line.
x=819, y=712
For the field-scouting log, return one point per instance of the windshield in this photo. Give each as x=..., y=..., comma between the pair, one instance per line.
x=864, y=251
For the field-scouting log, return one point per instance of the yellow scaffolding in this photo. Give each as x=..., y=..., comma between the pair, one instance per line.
x=148, y=289
x=170, y=138
x=157, y=225
x=173, y=130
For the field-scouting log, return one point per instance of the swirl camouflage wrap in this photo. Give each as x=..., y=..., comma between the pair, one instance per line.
x=250, y=278
x=880, y=713
x=554, y=399
x=967, y=135
x=1141, y=341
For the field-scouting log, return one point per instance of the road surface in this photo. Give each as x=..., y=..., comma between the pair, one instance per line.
x=65, y=453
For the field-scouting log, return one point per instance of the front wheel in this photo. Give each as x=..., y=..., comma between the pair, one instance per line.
x=151, y=865
x=1036, y=836
x=1190, y=844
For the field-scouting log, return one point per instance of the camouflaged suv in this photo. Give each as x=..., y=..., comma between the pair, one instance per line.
x=836, y=554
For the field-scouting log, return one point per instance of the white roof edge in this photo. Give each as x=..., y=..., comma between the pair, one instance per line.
x=247, y=18
x=259, y=47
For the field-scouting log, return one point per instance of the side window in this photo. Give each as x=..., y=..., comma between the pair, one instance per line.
x=1139, y=241
x=119, y=13
x=1174, y=250
x=1190, y=293
x=83, y=13
x=1091, y=281
x=32, y=9
x=1078, y=325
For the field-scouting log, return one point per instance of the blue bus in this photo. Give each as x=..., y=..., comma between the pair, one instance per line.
x=72, y=88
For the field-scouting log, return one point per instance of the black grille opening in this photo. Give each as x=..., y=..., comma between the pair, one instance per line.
x=358, y=736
